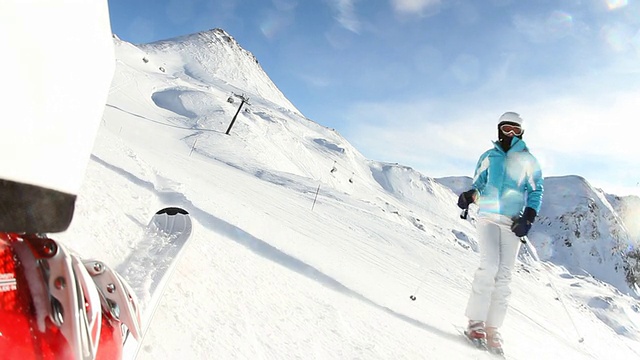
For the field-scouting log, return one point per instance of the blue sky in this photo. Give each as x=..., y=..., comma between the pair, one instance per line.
x=422, y=82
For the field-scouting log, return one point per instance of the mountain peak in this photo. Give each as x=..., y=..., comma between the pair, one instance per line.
x=218, y=35
x=208, y=39
x=218, y=32
x=213, y=56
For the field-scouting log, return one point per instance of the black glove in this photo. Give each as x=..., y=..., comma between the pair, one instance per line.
x=466, y=198
x=522, y=225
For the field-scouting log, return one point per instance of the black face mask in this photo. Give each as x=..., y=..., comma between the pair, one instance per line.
x=505, y=140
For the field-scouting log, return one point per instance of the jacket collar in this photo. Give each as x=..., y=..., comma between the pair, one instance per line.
x=517, y=144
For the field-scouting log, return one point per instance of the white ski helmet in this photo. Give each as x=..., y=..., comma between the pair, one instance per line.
x=511, y=117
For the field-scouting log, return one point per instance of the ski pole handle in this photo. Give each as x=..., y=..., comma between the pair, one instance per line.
x=464, y=213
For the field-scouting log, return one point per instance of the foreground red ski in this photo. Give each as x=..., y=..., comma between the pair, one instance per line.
x=53, y=305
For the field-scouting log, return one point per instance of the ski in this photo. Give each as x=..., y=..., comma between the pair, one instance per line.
x=150, y=266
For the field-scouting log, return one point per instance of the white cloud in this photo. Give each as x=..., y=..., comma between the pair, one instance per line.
x=346, y=14
x=620, y=37
x=592, y=126
x=415, y=7
x=555, y=25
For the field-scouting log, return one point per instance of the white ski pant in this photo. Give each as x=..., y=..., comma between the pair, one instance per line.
x=490, y=289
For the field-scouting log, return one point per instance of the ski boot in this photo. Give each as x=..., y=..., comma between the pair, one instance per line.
x=55, y=306
x=476, y=334
x=494, y=341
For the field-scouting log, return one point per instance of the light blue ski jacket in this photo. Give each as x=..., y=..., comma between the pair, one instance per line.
x=508, y=182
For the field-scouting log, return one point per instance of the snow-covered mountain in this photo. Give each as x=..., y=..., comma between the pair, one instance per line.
x=579, y=228
x=306, y=249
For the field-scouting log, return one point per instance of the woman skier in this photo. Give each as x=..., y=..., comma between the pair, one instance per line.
x=508, y=187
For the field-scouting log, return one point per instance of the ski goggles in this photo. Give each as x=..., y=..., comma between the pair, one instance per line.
x=513, y=130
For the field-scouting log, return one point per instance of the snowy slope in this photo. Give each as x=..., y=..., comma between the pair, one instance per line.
x=304, y=248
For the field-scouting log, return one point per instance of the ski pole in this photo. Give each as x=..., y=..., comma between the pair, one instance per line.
x=532, y=250
x=464, y=213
